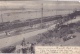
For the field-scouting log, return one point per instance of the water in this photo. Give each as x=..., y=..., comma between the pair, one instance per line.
x=31, y=15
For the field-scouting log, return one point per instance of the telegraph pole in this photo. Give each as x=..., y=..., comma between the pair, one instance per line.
x=1, y=17
x=42, y=15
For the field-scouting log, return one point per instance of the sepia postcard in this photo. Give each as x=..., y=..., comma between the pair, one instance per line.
x=40, y=27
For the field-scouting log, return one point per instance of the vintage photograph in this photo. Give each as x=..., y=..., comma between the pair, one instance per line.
x=26, y=24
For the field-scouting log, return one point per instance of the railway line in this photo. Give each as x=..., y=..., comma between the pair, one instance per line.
x=18, y=38
x=30, y=22
x=18, y=24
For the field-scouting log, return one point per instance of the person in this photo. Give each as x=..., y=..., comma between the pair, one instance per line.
x=18, y=49
x=24, y=49
x=28, y=46
x=32, y=48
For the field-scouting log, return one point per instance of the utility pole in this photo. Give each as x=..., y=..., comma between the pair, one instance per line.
x=42, y=16
x=1, y=17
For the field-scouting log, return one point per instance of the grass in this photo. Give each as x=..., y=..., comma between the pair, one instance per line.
x=52, y=37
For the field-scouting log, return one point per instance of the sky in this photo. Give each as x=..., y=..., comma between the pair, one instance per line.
x=12, y=10
x=37, y=4
x=15, y=6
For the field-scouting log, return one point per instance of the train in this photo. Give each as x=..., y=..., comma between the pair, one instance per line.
x=17, y=23
x=30, y=22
